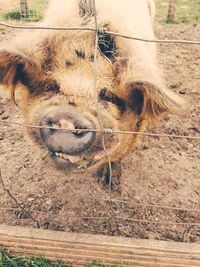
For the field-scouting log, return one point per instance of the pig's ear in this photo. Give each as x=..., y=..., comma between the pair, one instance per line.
x=149, y=102
x=18, y=69
x=13, y=68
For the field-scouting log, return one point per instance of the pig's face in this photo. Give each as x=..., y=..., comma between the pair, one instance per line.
x=58, y=88
x=57, y=81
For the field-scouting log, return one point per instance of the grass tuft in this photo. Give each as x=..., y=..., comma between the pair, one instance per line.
x=6, y=260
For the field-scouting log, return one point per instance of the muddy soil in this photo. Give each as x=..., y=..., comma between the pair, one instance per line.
x=164, y=172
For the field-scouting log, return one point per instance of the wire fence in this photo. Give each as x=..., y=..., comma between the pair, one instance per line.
x=104, y=130
x=102, y=31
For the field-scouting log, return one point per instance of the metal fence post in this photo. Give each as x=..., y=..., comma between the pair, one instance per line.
x=24, y=9
x=171, y=10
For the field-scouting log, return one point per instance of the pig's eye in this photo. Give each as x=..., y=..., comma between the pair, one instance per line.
x=68, y=63
x=91, y=58
x=51, y=86
x=80, y=54
x=107, y=45
x=108, y=96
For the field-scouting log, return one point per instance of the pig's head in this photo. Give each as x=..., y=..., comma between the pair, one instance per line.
x=55, y=77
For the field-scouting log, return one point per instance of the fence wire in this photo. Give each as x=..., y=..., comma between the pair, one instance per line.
x=120, y=201
x=96, y=98
x=102, y=31
x=103, y=130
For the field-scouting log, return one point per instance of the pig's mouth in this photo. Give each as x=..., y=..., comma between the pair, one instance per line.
x=67, y=157
x=64, y=161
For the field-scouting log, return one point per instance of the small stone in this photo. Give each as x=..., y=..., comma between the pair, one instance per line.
x=49, y=202
x=173, y=86
x=30, y=199
x=182, y=92
x=5, y=117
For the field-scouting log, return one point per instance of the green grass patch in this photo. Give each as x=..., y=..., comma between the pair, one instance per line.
x=6, y=260
x=37, y=7
x=187, y=11
x=13, y=12
x=16, y=15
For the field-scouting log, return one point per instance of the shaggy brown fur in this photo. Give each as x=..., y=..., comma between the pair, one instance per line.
x=55, y=69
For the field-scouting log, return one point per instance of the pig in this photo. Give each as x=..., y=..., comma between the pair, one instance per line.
x=62, y=87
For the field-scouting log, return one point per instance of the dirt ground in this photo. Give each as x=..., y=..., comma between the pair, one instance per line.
x=161, y=172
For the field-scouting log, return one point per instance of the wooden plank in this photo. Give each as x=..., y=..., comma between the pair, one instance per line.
x=80, y=249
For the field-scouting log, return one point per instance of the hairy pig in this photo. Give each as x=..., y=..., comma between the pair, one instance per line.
x=64, y=83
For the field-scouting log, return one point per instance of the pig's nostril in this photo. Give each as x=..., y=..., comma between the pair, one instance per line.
x=51, y=123
x=78, y=132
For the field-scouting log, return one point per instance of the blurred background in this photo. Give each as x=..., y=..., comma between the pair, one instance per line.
x=168, y=11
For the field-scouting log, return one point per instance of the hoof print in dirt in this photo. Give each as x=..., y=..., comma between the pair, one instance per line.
x=106, y=179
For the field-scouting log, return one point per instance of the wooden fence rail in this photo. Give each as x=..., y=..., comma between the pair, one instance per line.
x=79, y=249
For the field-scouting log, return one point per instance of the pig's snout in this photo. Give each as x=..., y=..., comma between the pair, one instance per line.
x=59, y=141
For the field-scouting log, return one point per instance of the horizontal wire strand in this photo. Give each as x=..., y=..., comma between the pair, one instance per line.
x=107, y=218
x=32, y=27
x=119, y=201
x=114, y=200
x=167, y=41
x=105, y=130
